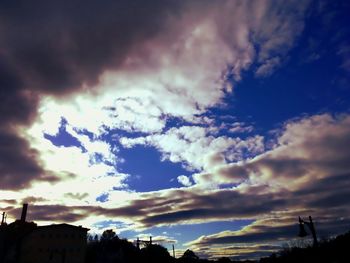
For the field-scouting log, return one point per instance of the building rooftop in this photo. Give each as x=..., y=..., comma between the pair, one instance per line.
x=64, y=225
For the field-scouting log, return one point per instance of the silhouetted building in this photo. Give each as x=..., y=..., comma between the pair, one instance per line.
x=11, y=236
x=61, y=243
x=2, y=241
x=25, y=242
x=28, y=243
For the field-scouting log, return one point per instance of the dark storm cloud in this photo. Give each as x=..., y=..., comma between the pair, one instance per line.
x=57, y=47
x=18, y=163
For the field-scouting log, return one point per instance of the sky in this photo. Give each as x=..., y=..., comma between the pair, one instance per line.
x=210, y=125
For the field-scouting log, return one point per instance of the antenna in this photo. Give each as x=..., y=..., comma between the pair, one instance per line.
x=3, y=220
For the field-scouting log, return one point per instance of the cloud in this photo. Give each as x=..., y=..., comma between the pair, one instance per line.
x=268, y=67
x=52, y=50
x=19, y=162
x=295, y=174
x=15, y=174
x=120, y=58
x=236, y=252
x=238, y=127
x=203, y=209
x=252, y=241
x=111, y=70
x=260, y=238
x=184, y=180
x=306, y=172
x=183, y=145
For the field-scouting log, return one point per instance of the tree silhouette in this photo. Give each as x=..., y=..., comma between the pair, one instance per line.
x=107, y=235
x=155, y=253
x=189, y=256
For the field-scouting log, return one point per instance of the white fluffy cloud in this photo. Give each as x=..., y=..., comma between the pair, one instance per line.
x=184, y=180
x=194, y=146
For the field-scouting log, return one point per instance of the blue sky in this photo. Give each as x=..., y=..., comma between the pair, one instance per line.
x=212, y=125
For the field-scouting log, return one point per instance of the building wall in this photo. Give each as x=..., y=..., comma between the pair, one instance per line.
x=2, y=243
x=54, y=244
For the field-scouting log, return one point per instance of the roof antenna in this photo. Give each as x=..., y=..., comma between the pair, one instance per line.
x=3, y=220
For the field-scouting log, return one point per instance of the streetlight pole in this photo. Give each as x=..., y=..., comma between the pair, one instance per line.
x=310, y=224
